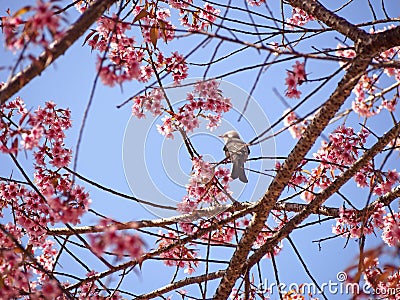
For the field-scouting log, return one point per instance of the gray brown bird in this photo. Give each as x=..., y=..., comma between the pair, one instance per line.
x=237, y=151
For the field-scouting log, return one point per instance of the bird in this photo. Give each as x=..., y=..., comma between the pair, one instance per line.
x=237, y=151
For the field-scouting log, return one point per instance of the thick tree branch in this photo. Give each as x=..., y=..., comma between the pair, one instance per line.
x=55, y=50
x=318, y=11
x=390, y=38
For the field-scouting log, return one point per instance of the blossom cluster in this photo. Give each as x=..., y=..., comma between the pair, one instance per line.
x=180, y=256
x=127, y=60
x=262, y=238
x=47, y=260
x=151, y=102
x=345, y=52
x=50, y=199
x=353, y=224
x=206, y=97
x=117, y=242
x=40, y=21
x=20, y=277
x=363, y=105
x=181, y=5
x=206, y=186
x=342, y=150
x=155, y=25
x=347, y=142
x=55, y=200
x=299, y=18
x=9, y=262
x=196, y=21
x=124, y=59
x=381, y=279
x=255, y=2
x=366, y=100
x=391, y=229
x=83, y=5
x=295, y=78
x=42, y=131
x=226, y=233
x=388, y=56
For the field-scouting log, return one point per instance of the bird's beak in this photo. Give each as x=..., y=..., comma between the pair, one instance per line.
x=221, y=136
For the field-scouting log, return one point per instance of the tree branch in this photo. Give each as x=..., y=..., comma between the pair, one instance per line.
x=182, y=283
x=196, y=215
x=318, y=11
x=55, y=50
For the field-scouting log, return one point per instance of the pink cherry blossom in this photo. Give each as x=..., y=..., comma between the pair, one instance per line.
x=294, y=125
x=180, y=256
x=151, y=102
x=203, y=188
x=262, y=238
x=295, y=78
x=176, y=65
x=118, y=242
x=255, y=2
x=390, y=105
x=353, y=224
x=33, y=26
x=179, y=4
x=202, y=21
x=206, y=97
x=299, y=17
x=344, y=52
x=342, y=149
x=391, y=229
x=56, y=199
x=384, y=280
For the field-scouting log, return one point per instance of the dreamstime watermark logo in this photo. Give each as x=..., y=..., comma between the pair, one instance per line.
x=339, y=286
x=158, y=169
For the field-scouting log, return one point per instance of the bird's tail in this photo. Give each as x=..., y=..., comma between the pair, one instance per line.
x=238, y=171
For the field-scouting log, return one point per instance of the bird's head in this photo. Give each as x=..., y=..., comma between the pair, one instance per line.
x=229, y=135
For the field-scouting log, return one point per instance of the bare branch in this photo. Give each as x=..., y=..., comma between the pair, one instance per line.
x=182, y=283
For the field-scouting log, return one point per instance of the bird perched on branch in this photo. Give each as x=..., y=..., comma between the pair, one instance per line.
x=237, y=151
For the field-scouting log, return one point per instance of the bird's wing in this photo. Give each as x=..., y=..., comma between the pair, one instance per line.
x=237, y=147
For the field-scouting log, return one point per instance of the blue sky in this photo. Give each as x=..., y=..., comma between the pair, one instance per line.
x=114, y=145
